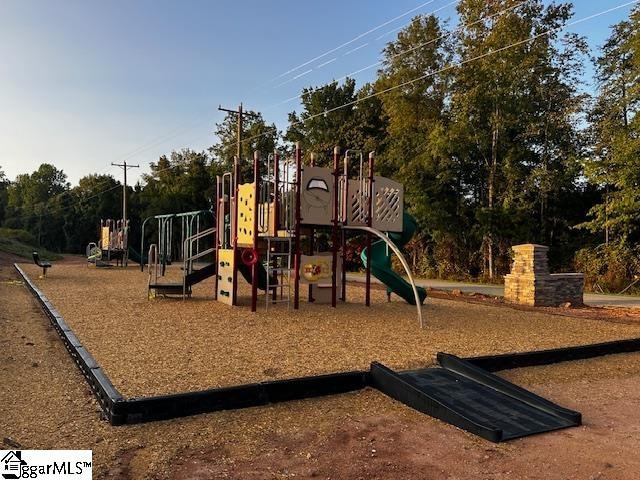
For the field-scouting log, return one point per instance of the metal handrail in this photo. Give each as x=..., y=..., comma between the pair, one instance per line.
x=403, y=261
x=364, y=184
x=227, y=198
x=188, y=260
x=201, y=254
x=152, y=267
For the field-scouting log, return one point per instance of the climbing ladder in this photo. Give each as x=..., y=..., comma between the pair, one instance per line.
x=279, y=269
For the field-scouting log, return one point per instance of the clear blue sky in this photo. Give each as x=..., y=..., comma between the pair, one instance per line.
x=87, y=83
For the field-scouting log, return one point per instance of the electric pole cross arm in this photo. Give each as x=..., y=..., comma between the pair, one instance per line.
x=241, y=114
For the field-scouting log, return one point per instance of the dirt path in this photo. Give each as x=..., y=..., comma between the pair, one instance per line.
x=45, y=403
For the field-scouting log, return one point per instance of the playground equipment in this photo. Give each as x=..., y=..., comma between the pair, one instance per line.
x=186, y=244
x=263, y=227
x=171, y=238
x=112, y=244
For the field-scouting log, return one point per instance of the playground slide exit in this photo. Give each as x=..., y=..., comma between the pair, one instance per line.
x=381, y=262
x=245, y=270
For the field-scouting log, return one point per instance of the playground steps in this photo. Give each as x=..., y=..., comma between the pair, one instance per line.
x=169, y=288
x=473, y=399
x=190, y=279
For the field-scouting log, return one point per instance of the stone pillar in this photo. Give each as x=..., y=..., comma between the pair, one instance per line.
x=530, y=282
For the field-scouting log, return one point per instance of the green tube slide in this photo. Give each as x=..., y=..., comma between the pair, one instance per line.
x=381, y=262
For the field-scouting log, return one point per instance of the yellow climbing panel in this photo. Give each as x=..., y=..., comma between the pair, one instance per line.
x=225, y=276
x=245, y=205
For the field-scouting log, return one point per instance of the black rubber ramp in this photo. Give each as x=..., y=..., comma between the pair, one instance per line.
x=475, y=400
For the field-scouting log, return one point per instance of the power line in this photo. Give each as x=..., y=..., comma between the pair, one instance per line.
x=355, y=39
x=57, y=208
x=188, y=126
x=357, y=48
x=413, y=49
x=157, y=141
x=454, y=65
x=124, y=167
x=240, y=123
x=70, y=192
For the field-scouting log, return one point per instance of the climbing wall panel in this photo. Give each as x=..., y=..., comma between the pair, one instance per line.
x=245, y=205
x=106, y=238
x=225, y=276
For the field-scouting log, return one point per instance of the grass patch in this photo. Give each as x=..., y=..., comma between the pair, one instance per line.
x=22, y=243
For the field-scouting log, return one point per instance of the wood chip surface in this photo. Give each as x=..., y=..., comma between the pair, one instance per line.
x=167, y=345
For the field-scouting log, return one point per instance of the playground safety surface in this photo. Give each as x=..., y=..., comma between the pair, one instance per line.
x=163, y=346
x=45, y=403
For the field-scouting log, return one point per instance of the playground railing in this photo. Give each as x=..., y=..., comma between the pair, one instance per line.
x=153, y=266
x=190, y=256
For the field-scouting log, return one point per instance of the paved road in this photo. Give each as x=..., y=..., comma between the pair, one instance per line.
x=596, y=300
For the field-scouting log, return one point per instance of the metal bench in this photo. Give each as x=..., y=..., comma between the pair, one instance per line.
x=41, y=263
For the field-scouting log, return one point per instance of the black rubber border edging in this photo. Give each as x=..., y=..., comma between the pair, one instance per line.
x=507, y=361
x=242, y=396
x=107, y=395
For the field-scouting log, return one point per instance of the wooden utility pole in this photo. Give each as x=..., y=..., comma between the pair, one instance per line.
x=125, y=167
x=240, y=119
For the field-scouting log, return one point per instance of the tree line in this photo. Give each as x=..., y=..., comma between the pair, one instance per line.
x=491, y=126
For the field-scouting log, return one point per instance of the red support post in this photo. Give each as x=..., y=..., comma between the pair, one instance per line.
x=343, y=239
x=334, y=232
x=234, y=233
x=312, y=163
x=216, y=245
x=369, y=224
x=276, y=193
x=296, y=234
x=256, y=206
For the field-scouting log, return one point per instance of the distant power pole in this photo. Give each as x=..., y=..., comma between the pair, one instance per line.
x=241, y=114
x=125, y=167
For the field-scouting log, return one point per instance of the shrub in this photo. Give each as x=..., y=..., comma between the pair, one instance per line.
x=610, y=267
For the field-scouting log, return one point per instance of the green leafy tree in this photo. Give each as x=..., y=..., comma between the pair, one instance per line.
x=95, y=198
x=4, y=185
x=614, y=162
x=320, y=132
x=257, y=136
x=418, y=145
x=35, y=203
x=513, y=120
x=184, y=181
x=366, y=130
